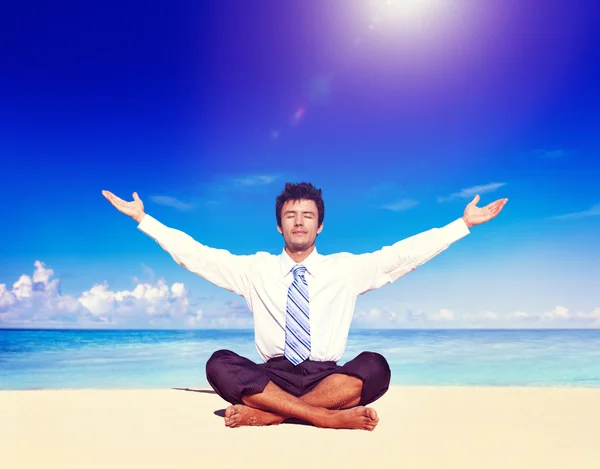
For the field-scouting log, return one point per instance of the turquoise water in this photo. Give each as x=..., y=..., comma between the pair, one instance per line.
x=53, y=359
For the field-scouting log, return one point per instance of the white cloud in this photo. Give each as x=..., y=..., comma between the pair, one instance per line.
x=560, y=312
x=443, y=315
x=470, y=192
x=194, y=318
x=590, y=212
x=255, y=180
x=401, y=205
x=36, y=300
x=171, y=202
x=519, y=315
x=490, y=315
x=388, y=318
x=558, y=317
x=7, y=298
x=178, y=289
x=376, y=318
x=223, y=190
x=98, y=300
x=230, y=315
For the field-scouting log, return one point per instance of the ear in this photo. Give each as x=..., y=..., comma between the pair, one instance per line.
x=320, y=229
x=279, y=229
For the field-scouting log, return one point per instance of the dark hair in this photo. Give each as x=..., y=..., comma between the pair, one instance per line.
x=300, y=191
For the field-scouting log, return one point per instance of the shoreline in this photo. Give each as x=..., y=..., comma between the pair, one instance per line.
x=392, y=386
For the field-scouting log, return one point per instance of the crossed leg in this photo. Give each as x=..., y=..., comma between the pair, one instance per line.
x=331, y=404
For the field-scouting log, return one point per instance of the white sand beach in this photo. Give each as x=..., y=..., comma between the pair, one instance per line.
x=420, y=427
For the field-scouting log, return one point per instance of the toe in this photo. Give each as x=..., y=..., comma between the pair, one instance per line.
x=233, y=422
x=370, y=426
x=371, y=414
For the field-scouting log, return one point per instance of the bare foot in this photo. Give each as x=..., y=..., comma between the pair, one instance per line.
x=362, y=418
x=240, y=415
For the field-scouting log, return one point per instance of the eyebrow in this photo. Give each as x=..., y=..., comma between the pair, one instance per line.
x=295, y=211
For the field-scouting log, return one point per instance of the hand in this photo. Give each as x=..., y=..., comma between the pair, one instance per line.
x=475, y=215
x=133, y=209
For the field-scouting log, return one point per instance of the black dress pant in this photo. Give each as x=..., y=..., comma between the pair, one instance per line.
x=233, y=376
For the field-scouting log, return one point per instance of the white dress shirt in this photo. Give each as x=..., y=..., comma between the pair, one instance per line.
x=334, y=281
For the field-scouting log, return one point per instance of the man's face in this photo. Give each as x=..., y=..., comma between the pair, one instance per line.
x=299, y=220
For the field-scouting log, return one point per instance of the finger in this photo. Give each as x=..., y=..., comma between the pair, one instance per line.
x=475, y=200
x=116, y=201
x=111, y=198
x=495, y=204
x=501, y=203
x=108, y=194
x=136, y=196
x=497, y=209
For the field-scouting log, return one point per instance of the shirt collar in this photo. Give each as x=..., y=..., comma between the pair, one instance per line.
x=311, y=262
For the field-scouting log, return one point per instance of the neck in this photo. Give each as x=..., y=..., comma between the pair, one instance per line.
x=299, y=255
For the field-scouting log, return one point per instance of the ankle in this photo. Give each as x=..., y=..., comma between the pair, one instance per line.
x=323, y=416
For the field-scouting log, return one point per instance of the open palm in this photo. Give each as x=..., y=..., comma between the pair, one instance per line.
x=474, y=215
x=133, y=209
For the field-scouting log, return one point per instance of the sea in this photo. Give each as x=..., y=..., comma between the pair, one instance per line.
x=136, y=359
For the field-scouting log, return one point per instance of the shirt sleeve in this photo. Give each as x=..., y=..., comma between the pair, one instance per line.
x=373, y=270
x=218, y=266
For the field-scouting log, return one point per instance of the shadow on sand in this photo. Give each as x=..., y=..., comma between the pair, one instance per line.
x=221, y=412
x=205, y=391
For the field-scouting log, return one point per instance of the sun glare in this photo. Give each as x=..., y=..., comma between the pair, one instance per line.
x=405, y=14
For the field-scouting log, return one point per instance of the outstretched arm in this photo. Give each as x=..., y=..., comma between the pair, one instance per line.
x=218, y=266
x=373, y=270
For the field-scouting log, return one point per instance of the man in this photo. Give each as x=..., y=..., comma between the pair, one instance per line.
x=302, y=303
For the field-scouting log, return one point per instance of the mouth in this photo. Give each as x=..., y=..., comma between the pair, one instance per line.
x=298, y=232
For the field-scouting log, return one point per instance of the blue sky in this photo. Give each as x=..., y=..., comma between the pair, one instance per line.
x=400, y=111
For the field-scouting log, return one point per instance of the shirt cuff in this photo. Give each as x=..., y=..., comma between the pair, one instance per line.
x=150, y=225
x=454, y=231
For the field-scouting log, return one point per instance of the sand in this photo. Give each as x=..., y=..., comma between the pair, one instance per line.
x=420, y=427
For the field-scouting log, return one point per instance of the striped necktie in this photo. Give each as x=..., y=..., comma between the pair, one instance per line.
x=297, y=327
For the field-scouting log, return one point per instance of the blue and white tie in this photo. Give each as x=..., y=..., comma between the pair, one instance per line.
x=297, y=327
